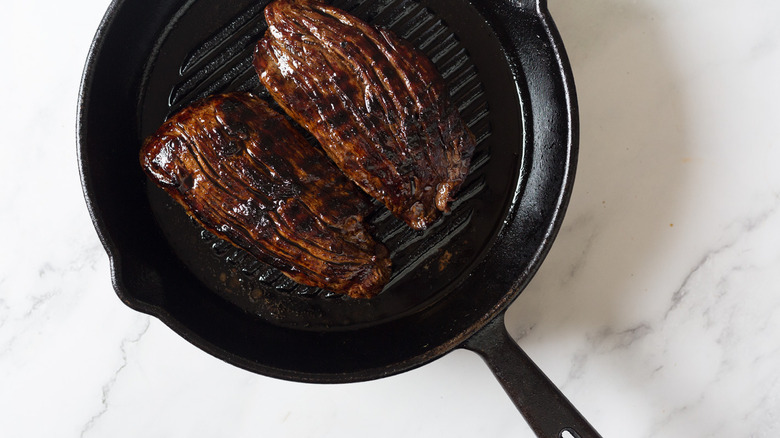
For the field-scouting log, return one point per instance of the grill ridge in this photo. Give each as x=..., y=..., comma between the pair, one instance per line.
x=214, y=76
x=233, y=30
x=415, y=24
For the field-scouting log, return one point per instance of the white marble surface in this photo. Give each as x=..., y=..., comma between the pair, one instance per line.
x=657, y=311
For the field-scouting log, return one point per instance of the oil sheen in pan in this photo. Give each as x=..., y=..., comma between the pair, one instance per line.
x=223, y=61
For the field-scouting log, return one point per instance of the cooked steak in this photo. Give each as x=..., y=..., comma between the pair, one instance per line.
x=376, y=104
x=242, y=171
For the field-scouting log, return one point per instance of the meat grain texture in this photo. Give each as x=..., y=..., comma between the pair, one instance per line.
x=242, y=171
x=376, y=104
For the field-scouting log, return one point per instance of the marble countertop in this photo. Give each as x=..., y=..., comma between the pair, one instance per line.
x=657, y=312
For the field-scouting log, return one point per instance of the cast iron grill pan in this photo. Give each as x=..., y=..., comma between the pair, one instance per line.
x=506, y=71
x=222, y=62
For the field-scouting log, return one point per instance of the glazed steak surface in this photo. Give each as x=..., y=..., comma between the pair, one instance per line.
x=376, y=104
x=242, y=171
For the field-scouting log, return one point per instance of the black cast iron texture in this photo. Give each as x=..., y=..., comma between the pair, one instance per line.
x=505, y=65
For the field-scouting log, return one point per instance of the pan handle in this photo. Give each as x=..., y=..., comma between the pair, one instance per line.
x=544, y=407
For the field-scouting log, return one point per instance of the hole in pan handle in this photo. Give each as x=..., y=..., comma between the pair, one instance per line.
x=544, y=407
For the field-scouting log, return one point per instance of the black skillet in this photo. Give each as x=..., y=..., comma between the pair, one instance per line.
x=508, y=73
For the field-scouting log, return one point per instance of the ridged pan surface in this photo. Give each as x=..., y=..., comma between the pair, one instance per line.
x=506, y=72
x=426, y=265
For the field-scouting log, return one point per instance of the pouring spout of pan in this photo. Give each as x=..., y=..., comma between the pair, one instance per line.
x=544, y=407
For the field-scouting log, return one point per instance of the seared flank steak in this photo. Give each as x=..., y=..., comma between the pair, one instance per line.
x=376, y=104
x=242, y=171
